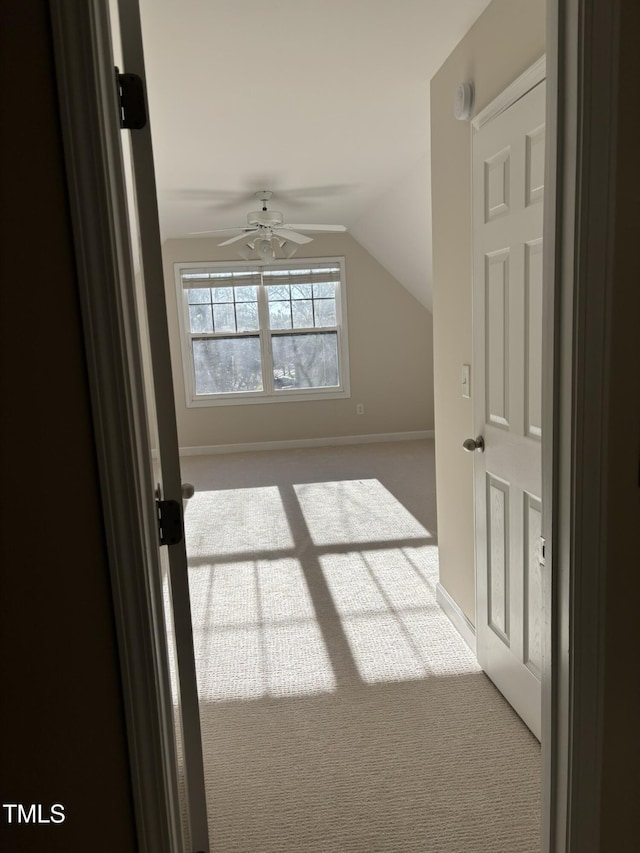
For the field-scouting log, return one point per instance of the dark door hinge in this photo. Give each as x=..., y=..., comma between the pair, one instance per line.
x=169, y=522
x=133, y=107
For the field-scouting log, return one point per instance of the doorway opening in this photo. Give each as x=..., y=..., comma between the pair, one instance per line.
x=327, y=643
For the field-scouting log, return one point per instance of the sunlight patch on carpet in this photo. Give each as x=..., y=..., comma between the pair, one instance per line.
x=355, y=511
x=255, y=632
x=236, y=521
x=341, y=558
x=395, y=628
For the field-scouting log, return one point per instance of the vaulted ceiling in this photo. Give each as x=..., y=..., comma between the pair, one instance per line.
x=324, y=102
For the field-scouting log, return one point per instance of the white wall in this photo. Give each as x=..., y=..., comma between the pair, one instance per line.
x=396, y=230
x=505, y=40
x=390, y=343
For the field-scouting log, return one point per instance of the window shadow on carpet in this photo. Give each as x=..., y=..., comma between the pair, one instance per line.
x=305, y=588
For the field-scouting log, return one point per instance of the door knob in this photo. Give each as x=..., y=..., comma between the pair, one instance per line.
x=187, y=491
x=471, y=444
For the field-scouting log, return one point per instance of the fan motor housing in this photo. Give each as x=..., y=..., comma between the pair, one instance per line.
x=268, y=218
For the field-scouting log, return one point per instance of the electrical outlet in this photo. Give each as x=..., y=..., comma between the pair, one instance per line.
x=360, y=409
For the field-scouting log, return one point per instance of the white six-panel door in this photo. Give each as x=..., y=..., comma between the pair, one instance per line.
x=508, y=177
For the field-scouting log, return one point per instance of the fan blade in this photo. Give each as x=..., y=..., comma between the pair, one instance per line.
x=218, y=231
x=291, y=235
x=242, y=236
x=316, y=227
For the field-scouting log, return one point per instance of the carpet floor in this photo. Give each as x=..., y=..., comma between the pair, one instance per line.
x=340, y=710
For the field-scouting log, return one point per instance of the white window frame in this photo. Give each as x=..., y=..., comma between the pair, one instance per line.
x=269, y=394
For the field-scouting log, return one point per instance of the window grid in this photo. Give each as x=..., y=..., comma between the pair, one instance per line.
x=314, y=299
x=197, y=306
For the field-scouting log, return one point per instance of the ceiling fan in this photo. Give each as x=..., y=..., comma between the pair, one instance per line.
x=267, y=232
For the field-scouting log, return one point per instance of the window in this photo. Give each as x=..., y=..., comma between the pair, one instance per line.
x=263, y=333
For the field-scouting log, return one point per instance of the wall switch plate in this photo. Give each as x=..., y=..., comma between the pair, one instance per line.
x=466, y=381
x=359, y=409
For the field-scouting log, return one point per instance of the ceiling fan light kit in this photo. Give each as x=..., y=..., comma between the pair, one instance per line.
x=267, y=233
x=267, y=249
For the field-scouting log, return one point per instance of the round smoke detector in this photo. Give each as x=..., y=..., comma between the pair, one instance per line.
x=463, y=103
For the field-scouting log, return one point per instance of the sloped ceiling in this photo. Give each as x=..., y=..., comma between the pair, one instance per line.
x=324, y=102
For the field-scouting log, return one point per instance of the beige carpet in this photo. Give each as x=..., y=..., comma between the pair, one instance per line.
x=340, y=710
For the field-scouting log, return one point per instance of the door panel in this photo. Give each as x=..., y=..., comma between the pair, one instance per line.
x=498, y=556
x=496, y=185
x=532, y=328
x=508, y=191
x=497, y=330
x=534, y=168
x=533, y=585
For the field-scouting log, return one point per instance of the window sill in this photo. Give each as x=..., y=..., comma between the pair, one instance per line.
x=275, y=397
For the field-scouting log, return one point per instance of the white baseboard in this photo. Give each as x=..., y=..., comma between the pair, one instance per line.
x=457, y=618
x=307, y=442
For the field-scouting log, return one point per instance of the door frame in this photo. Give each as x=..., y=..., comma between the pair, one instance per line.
x=583, y=49
x=582, y=52
x=105, y=274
